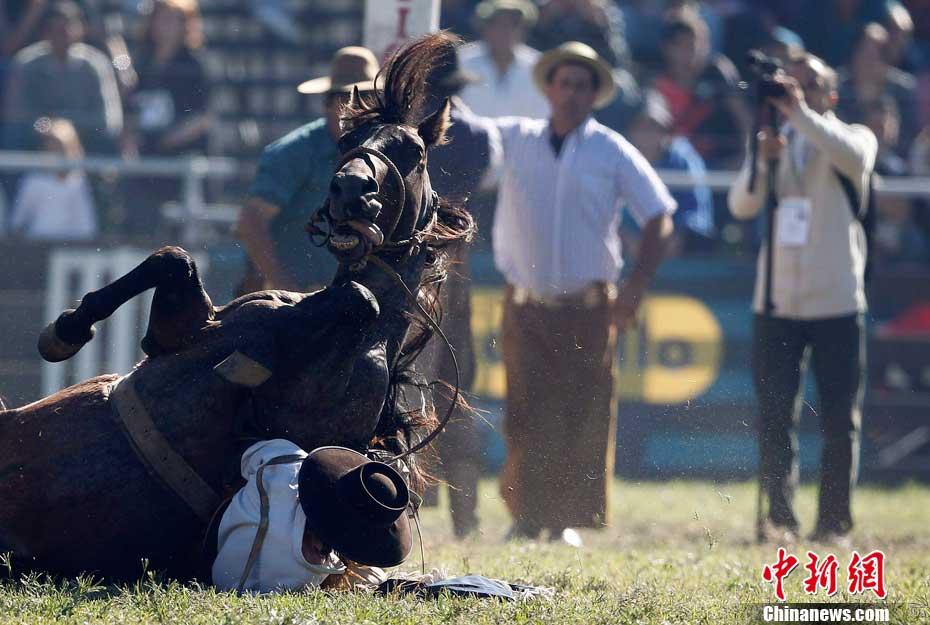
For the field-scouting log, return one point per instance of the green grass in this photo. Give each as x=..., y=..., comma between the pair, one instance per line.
x=676, y=552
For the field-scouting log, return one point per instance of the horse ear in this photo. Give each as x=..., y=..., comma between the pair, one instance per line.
x=355, y=99
x=433, y=129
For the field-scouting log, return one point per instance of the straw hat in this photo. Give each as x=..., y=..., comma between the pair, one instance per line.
x=489, y=8
x=577, y=52
x=353, y=66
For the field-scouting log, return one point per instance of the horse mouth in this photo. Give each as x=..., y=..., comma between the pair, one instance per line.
x=355, y=238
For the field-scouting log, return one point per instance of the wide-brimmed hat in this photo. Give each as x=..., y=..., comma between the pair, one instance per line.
x=352, y=66
x=577, y=52
x=489, y=8
x=356, y=506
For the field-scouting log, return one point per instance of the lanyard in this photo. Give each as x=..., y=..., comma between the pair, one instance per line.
x=794, y=157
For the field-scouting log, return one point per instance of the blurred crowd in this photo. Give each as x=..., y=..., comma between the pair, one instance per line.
x=68, y=85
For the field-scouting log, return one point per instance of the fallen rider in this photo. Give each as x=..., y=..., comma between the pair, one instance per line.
x=330, y=518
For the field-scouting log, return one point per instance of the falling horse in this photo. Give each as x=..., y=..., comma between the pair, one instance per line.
x=120, y=469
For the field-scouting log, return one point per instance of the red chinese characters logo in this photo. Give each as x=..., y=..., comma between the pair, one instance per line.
x=864, y=573
x=867, y=573
x=821, y=574
x=777, y=572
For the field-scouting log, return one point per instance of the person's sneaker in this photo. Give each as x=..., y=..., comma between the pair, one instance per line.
x=567, y=536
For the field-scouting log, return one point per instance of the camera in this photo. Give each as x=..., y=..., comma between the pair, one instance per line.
x=766, y=69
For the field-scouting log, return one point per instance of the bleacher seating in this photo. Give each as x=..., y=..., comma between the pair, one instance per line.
x=254, y=73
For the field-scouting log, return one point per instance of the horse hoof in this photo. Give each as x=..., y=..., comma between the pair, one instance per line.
x=53, y=349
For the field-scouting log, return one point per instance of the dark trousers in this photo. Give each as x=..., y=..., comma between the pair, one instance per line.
x=559, y=419
x=459, y=445
x=781, y=350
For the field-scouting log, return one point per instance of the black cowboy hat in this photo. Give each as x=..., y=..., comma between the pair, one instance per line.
x=356, y=506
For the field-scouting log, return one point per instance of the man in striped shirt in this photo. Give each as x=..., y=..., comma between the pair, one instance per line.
x=564, y=181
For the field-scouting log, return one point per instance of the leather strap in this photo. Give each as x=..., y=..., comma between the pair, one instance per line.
x=156, y=453
x=263, y=522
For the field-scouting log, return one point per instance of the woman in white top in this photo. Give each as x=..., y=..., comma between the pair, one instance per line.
x=55, y=205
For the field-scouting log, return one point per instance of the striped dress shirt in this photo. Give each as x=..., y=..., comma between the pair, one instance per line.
x=556, y=225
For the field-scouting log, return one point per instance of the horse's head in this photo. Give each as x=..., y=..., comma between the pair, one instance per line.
x=380, y=198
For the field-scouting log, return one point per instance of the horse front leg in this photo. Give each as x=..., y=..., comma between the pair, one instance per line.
x=180, y=307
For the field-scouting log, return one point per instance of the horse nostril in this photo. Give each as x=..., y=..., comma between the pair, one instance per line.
x=370, y=186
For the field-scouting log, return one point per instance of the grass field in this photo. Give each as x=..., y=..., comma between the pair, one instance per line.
x=676, y=553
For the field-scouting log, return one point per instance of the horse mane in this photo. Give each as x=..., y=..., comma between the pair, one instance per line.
x=401, y=425
x=402, y=95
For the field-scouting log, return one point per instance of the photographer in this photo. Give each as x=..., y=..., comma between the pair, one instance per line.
x=817, y=290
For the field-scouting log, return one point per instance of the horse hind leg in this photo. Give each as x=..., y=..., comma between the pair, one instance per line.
x=180, y=307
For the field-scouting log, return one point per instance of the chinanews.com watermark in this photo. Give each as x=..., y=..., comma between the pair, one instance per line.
x=858, y=575
x=825, y=613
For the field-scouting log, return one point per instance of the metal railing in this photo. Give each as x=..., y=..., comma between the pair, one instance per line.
x=191, y=210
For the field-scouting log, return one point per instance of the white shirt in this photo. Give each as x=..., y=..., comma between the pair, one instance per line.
x=280, y=564
x=500, y=95
x=51, y=207
x=556, y=224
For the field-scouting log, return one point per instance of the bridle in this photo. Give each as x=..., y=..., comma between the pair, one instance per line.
x=408, y=247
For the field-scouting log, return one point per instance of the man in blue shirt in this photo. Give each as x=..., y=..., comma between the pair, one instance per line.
x=292, y=181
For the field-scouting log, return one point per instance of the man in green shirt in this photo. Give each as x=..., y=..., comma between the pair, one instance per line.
x=292, y=181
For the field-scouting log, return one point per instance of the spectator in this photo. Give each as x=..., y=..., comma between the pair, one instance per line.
x=503, y=62
x=831, y=27
x=818, y=294
x=756, y=24
x=784, y=45
x=18, y=24
x=651, y=133
x=897, y=236
x=919, y=165
x=456, y=171
x=171, y=100
x=169, y=107
x=597, y=23
x=702, y=93
x=456, y=15
x=62, y=77
x=869, y=77
x=55, y=205
x=919, y=157
x=292, y=182
x=900, y=51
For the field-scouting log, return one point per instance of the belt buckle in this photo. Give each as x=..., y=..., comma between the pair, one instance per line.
x=521, y=296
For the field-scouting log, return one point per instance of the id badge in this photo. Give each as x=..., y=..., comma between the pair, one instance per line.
x=794, y=219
